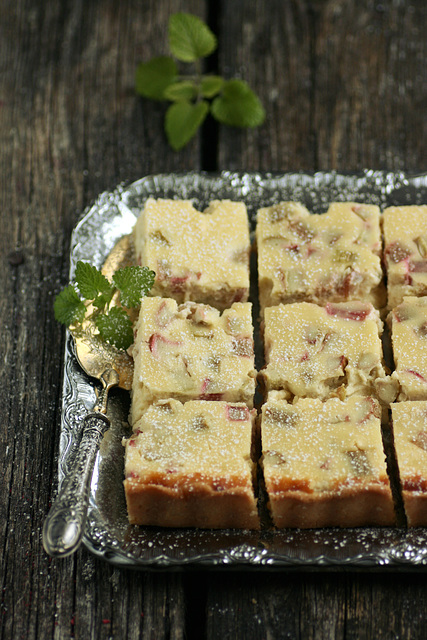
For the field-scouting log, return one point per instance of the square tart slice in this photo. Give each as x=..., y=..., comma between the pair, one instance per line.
x=324, y=463
x=192, y=352
x=313, y=351
x=190, y=465
x=405, y=252
x=409, y=420
x=409, y=340
x=332, y=257
x=200, y=256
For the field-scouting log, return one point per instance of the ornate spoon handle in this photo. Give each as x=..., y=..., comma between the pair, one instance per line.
x=65, y=524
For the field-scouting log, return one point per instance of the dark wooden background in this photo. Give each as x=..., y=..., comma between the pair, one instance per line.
x=344, y=84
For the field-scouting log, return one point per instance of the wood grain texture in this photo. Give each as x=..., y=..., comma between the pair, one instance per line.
x=271, y=49
x=370, y=85
x=344, y=85
x=316, y=606
x=70, y=128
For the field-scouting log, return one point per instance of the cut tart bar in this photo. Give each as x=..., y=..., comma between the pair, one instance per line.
x=191, y=351
x=405, y=252
x=324, y=463
x=190, y=465
x=409, y=339
x=409, y=420
x=318, y=258
x=314, y=351
x=196, y=256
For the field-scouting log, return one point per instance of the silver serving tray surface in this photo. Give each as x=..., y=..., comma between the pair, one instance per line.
x=108, y=533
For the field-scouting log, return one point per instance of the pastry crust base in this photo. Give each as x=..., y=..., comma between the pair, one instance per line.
x=221, y=296
x=198, y=505
x=415, y=503
x=371, y=505
x=377, y=296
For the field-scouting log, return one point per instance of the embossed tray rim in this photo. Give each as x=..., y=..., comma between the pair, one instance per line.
x=108, y=535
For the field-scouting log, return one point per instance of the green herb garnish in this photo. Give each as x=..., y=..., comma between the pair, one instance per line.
x=193, y=96
x=92, y=288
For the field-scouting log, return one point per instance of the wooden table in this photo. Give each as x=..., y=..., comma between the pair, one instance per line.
x=344, y=85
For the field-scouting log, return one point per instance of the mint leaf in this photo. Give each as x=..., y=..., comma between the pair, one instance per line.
x=238, y=106
x=182, y=121
x=211, y=85
x=178, y=91
x=91, y=282
x=115, y=328
x=133, y=283
x=154, y=76
x=189, y=37
x=68, y=306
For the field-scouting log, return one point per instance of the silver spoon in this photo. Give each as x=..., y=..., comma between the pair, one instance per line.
x=65, y=524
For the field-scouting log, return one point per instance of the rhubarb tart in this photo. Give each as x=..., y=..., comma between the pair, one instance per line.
x=332, y=257
x=409, y=338
x=199, y=256
x=314, y=351
x=324, y=463
x=409, y=421
x=190, y=465
x=192, y=351
x=405, y=252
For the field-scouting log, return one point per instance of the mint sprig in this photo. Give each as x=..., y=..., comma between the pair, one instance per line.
x=93, y=285
x=194, y=96
x=237, y=106
x=153, y=77
x=93, y=288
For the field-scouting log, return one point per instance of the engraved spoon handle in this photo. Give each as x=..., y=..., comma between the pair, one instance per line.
x=65, y=524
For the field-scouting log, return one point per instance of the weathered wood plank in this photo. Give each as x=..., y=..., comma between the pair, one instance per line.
x=370, y=84
x=127, y=604
x=266, y=606
x=316, y=606
x=350, y=82
x=343, y=84
x=70, y=127
x=385, y=606
x=270, y=48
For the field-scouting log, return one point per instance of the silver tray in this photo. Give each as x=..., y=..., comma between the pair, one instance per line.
x=108, y=533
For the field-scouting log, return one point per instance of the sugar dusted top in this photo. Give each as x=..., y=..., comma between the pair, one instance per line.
x=313, y=350
x=409, y=337
x=191, y=351
x=195, y=253
x=410, y=437
x=405, y=252
x=315, y=446
x=199, y=441
x=333, y=256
